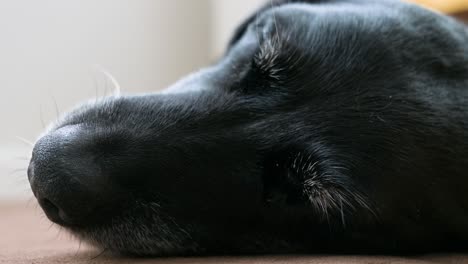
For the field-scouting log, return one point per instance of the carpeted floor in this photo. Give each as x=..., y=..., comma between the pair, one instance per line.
x=26, y=236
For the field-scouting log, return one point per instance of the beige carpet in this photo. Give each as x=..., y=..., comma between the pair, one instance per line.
x=26, y=236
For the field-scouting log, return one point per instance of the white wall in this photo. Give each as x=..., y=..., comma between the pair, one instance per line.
x=48, y=49
x=227, y=14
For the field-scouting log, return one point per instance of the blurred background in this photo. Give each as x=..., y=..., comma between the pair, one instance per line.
x=49, y=49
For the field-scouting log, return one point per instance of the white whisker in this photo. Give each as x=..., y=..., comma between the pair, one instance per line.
x=28, y=142
x=111, y=78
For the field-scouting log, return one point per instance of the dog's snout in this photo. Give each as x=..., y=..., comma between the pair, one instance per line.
x=65, y=177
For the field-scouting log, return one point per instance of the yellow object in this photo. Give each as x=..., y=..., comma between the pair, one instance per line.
x=446, y=6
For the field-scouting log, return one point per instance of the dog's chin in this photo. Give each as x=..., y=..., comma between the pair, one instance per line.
x=141, y=231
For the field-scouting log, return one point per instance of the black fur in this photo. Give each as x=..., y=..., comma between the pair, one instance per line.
x=328, y=126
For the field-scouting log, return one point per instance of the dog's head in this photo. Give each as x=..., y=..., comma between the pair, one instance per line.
x=201, y=168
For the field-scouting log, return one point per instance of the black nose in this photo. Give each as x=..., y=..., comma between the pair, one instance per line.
x=65, y=176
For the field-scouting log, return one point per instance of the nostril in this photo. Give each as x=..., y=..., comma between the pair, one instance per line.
x=52, y=211
x=49, y=207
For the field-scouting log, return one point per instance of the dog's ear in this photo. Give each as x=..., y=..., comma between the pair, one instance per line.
x=241, y=29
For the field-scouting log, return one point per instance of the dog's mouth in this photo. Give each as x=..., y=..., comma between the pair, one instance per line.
x=135, y=227
x=142, y=230
x=95, y=217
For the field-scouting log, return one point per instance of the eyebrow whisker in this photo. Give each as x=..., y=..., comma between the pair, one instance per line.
x=111, y=78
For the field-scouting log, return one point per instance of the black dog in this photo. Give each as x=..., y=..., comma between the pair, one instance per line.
x=328, y=126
